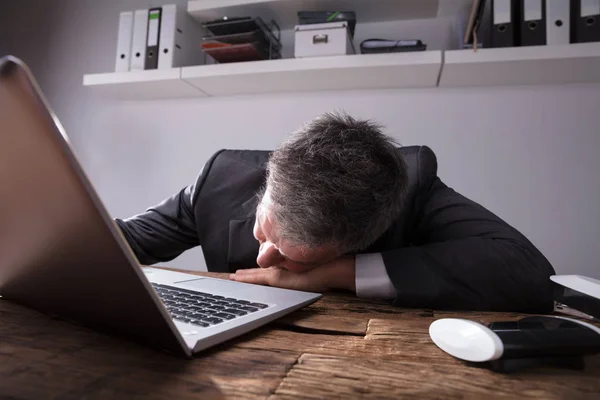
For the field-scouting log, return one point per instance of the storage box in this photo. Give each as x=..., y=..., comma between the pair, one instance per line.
x=329, y=39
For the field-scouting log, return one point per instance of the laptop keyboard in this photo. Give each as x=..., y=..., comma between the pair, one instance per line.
x=203, y=309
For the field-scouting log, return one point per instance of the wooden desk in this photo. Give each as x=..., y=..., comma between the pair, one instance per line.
x=340, y=347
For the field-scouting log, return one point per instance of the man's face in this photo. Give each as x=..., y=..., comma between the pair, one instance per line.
x=275, y=251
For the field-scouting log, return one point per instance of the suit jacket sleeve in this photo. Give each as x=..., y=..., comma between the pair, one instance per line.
x=168, y=229
x=162, y=232
x=465, y=257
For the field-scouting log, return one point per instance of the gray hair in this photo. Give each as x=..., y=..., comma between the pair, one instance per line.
x=336, y=180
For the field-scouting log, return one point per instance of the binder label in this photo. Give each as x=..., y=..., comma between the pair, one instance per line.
x=533, y=10
x=153, y=28
x=502, y=13
x=590, y=7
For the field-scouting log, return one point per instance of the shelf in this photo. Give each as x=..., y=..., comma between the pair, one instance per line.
x=142, y=85
x=533, y=65
x=377, y=71
x=285, y=11
x=487, y=67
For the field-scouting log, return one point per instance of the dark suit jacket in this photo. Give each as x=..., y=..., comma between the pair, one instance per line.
x=444, y=251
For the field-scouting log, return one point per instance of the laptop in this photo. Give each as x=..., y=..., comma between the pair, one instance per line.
x=62, y=254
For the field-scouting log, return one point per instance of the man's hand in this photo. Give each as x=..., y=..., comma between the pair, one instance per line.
x=337, y=274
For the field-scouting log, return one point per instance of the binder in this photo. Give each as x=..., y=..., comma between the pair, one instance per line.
x=179, y=40
x=152, y=44
x=138, y=45
x=533, y=22
x=557, y=22
x=123, y=57
x=585, y=21
x=504, y=23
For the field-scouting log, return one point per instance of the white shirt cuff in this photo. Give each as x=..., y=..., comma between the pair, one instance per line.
x=372, y=279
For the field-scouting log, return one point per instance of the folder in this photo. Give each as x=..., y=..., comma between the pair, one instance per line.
x=504, y=23
x=123, y=58
x=152, y=41
x=180, y=39
x=533, y=22
x=138, y=45
x=557, y=22
x=585, y=21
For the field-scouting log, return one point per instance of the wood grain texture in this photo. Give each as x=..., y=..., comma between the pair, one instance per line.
x=318, y=376
x=338, y=347
x=391, y=328
x=319, y=321
x=414, y=347
x=42, y=357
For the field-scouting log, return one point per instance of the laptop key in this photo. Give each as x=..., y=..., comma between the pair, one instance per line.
x=235, y=311
x=197, y=315
x=186, y=291
x=258, y=305
x=188, y=314
x=212, y=320
x=245, y=308
x=218, y=297
x=216, y=307
x=221, y=303
x=199, y=323
x=243, y=301
x=224, y=315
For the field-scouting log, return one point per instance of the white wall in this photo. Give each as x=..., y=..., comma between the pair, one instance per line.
x=530, y=154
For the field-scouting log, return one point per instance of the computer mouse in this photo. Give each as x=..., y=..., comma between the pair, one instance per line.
x=466, y=340
x=529, y=337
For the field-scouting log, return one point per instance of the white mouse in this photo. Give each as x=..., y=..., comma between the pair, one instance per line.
x=467, y=340
x=533, y=336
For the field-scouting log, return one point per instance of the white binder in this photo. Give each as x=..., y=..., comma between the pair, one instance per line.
x=558, y=22
x=138, y=46
x=180, y=38
x=123, y=58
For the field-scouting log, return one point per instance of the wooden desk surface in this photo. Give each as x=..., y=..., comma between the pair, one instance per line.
x=340, y=347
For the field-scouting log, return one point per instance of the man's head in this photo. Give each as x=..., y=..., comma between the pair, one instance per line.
x=333, y=188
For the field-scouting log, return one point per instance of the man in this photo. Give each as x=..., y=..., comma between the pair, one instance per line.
x=339, y=206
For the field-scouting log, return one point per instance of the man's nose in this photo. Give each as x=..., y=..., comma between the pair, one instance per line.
x=268, y=255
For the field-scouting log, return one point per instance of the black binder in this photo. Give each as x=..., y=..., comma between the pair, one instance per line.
x=153, y=37
x=505, y=23
x=532, y=23
x=584, y=28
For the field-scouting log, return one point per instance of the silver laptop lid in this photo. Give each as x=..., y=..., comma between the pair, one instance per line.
x=60, y=252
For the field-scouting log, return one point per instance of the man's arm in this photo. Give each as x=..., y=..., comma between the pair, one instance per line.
x=465, y=257
x=163, y=232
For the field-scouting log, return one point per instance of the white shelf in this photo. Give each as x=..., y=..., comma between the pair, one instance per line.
x=142, y=85
x=486, y=67
x=378, y=71
x=533, y=65
x=285, y=11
